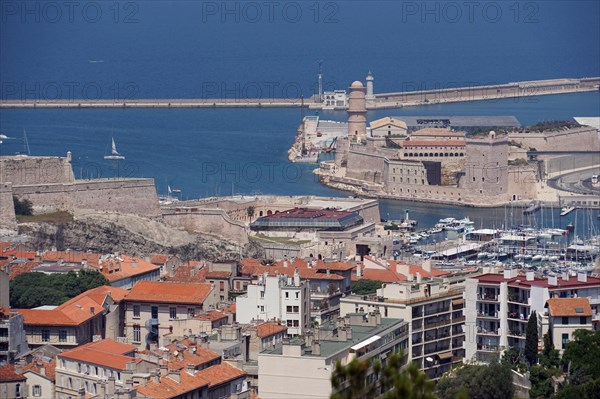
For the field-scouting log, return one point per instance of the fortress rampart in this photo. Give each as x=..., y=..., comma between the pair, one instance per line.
x=50, y=185
x=211, y=221
x=7, y=210
x=134, y=196
x=579, y=139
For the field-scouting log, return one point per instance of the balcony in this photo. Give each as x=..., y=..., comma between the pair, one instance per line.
x=489, y=315
x=430, y=312
x=483, y=331
x=489, y=348
x=460, y=319
x=514, y=298
x=487, y=297
x=439, y=323
x=516, y=316
x=518, y=334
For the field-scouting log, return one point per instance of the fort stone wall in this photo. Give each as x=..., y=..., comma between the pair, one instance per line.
x=24, y=170
x=134, y=196
x=210, y=221
x=578, y=139
x=486, y=170
x=8, y=219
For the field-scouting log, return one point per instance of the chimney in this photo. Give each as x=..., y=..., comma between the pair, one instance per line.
x=110, y=388
x=316, y=348
x=134, y=264
x=155, y=376
x=190, y=369
x=565, y=276
x=219, y=335
x=582, y=277
x=358, y=271
x=285, y=263
x=164, y=370
x=529, y=276
x=426, y=265
x=175, y=375
x=92, y=310
x=552, y=280
x=42, y=370
x=418, y=277
x=296, y=278
x=348, y=332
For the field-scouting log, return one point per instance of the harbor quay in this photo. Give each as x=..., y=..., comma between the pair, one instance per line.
x=413, y=93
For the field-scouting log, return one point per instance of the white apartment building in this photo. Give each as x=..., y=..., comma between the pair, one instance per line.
x=277, y=297
x=497, y=307
x=102, y=369
x=433, y=309
x=302, y=369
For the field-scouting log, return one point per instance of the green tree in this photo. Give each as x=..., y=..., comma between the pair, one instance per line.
x=365, y=287
x=531, y=339
x=582, y=356
x=34, y=289
x=550, y=357
x=493, y=381
x=541, y=382
x=515, y=359
x=22, y=207
x=358, y=380
x=250, y=211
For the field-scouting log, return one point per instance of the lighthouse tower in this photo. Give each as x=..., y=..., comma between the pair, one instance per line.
x=357, y=113
x=370, y=97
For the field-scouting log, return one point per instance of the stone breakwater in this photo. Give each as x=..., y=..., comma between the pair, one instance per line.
x=409, y=97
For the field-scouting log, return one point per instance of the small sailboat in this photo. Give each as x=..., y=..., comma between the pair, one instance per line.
x=114, y=154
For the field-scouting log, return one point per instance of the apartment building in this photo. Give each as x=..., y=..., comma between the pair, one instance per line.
x=302, y=368
x=12, y=384
x=277, y=297
x=497, y=307
x=151, y=309
x=76, y=321
x=433, y=309
x=103, y=368
x=13, y=341
x=562, y=316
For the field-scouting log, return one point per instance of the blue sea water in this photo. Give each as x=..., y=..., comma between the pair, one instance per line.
x=233, y=49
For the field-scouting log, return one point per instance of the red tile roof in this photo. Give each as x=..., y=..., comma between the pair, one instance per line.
x=569, y=307
x=107, y=354
x=386, y=276
x=218, y=274
x=168, y=292
x=190, y=272
x=220, y=374
x=75, y=311
x=111, y=346
x=16, y=269
x=268, y=329
x=158, y=259
x=36, y=366
x=168, y=388
x=433, y=143
x=9, y=374
x=212, y=315
x=200, y=356
x=253, y=267
x=115, y=270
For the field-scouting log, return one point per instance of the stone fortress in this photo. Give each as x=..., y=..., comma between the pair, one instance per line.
x=50, y=185
x=429, y=160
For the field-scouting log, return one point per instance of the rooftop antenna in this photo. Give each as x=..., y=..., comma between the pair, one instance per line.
x=320, y=80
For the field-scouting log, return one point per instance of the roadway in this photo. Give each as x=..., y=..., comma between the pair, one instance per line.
x=578, y=182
